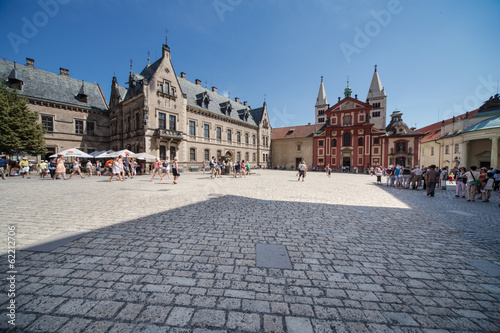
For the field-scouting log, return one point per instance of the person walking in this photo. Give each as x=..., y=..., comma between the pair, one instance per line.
x=98, y=168
x=460, y=181
x=52, y=168
x=406, y=177
x=166, y=166
x=443, y=176
x=24, y=166
x=42, y=168
x=302, y=170
x=203, y=166
x=60, y=168
x=175, y=170
x=328, y=171
x=4, y=166
x=157, y=169
x=416, y=178
x=378, y=173
x=88, y=168
x=76, y=168
x=472, y=180
x=431, y=179
x=212, y=167
x=488, y=186
x=116, y=169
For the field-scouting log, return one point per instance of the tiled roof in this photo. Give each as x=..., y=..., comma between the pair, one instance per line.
x=293, y=132
x=52, y=87
x=433, y=131
x=216, y=101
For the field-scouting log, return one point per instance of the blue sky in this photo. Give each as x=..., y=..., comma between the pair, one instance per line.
x=435, y=59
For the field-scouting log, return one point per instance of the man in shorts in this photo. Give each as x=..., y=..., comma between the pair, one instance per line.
x=302, y=170
x=24, y=167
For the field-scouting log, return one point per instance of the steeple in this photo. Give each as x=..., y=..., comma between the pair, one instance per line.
x=321, y=100
x=376, y=88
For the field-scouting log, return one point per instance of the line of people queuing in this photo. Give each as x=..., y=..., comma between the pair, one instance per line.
x=472, y=184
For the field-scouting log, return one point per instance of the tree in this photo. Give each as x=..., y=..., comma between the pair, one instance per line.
x=20, y=131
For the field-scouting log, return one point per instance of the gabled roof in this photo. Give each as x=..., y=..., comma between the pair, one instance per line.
x=257, y=114
x=433, y=131
x=191, y=90
x=294, y=132
x=347, y=99
x=47, y=86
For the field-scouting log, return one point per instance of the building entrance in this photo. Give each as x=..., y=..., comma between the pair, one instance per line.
x=346, y=161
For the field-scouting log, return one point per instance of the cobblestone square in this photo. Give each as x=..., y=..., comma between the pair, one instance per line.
x=159, y=257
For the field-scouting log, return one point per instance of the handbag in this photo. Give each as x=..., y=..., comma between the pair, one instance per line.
x=476, y=181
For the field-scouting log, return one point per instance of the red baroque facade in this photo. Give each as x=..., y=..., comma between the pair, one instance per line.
x=348, y=138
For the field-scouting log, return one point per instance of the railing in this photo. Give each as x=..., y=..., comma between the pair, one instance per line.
x=166, y=133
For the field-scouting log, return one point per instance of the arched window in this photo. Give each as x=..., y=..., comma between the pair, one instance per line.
x=207, y=155
x=360, y=141
x=334, y=142
x=347, y=139
x=238, y=156
x=192, y=155
x=247, y=157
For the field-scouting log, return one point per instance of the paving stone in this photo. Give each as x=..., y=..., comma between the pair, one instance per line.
x=216, y=318
x=298, y=325
x=248, y=322
x=180, y=316
x=47, y=323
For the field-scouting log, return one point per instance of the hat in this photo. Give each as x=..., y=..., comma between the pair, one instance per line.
x=25, y=158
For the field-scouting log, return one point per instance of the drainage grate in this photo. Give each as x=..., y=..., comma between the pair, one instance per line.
x=272, y=256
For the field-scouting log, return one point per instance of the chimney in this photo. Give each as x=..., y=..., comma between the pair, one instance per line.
x=214, y=89
x=237, y=99
x=356, y=96
x=413, y=128
x=245, y=103
x=308, y=123
x=63, y=71
x=339, y=99
x=30, y=62
x=183, y=75
x=198, y=82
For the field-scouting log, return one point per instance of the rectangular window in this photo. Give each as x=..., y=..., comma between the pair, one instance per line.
x=90, y=128
x=229, y=135
x=375, y=114
x=254, y=157
x=192, y=128
x=162, y=118
x=219, y=133
x=206, y=131
x=246, y=138
x=253, y=139
x=432, y=151
x=137, y=121
x=238, y=137
x=48, y=123
x=172, y=122
x=320, y=143
x=456, y=148
x=447, y=149
x=79, y=126
x=207, y=155
x=376, y=141
x=192, y=155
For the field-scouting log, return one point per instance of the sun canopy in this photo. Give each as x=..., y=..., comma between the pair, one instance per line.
x=73, y=152
x=144, y=156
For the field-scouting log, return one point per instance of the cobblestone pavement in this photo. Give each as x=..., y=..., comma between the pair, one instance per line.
x=158, y=257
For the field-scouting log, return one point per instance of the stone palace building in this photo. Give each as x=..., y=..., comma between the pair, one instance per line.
x=159, y=113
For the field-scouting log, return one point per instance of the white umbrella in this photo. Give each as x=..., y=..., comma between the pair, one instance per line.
x=73, y=152
x=107, y=154
x=124, y=152
x=144, y=156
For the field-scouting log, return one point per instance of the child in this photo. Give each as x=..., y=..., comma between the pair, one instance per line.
x=486, y=191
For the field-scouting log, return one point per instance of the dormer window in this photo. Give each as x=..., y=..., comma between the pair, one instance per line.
x=14, y=81
x=203, y=100
x=82, y=94
x=226, y=108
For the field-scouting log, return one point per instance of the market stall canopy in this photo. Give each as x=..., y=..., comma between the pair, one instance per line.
x=97, y=153
x=143, y=156
x=113, y=154
x=73, y=152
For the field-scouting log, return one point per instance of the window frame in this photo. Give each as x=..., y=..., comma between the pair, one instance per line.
x=45, y=124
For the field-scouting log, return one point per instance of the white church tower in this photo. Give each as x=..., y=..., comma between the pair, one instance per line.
x=378, y=99
x=321, y=105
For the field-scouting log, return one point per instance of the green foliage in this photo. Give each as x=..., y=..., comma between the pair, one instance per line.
x=20, y=131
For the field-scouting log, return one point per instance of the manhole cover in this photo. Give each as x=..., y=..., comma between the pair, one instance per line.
x=272, y=256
